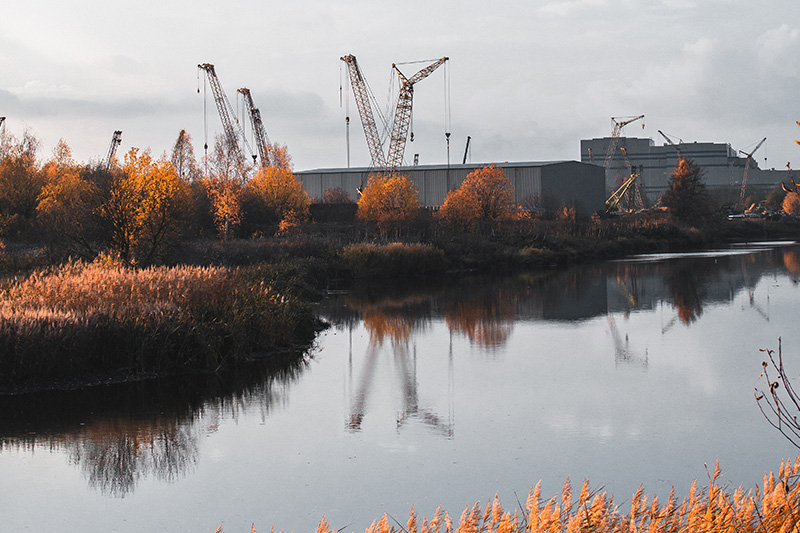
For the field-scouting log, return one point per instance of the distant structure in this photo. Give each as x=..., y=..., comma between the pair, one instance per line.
x=721, y=164
x=537, y=185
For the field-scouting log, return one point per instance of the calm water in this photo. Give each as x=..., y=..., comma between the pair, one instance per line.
x=637, y=371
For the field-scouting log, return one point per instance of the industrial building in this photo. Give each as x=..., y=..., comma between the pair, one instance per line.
x=722, y=166
x=546, y=185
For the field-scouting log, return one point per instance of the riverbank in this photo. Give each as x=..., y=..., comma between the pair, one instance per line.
x=220, y=304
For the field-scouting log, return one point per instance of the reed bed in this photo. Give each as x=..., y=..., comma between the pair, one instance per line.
x=80, y=321
x=775, y=508
x=393, y=260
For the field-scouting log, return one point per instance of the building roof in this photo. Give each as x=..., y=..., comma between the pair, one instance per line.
x=504, y=164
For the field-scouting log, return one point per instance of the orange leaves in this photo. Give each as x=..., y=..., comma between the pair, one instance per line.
x=485, y=195
x=389, y=199
x=278, y=191
x=791, y=203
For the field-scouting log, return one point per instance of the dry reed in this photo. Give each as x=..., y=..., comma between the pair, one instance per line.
x=775, y=508
x=82, y=321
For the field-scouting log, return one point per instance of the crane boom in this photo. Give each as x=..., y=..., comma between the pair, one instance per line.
x=226, y=113
x=116, y=139
x=259, y=133
x=677, y=149
x=361, y=95
x=619, y=123
x=402, y=114
x=616, y=197
x=742, y=192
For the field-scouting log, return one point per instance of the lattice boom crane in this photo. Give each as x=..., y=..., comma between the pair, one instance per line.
x=402, y=114
x=361, y=95
x=619, y=123
x=742, y=192
x=259, y=133
x=226, y=114
x=116, y=139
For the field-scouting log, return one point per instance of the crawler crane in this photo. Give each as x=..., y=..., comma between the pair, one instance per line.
x=116, y=139
x=619, y=123
x=228, y=118
x=402, y=114
x=259, y=133
x=742, y=192
x=362, y=96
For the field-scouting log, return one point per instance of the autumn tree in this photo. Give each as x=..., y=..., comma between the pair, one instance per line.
x=336, y=195
x=68, y=200
x=485, y=195
x=686, y=196
x=144, y=207
x=224, y=185
x=389, y=200
x=791, y=203
x=274, y=194
x=21, y=182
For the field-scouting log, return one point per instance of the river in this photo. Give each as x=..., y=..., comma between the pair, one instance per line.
x=631, y=372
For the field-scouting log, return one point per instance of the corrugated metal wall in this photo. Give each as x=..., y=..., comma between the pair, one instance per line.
x=567, y=182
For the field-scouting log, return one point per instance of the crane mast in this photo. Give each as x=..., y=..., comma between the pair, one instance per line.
x=619, y=123
x=746, y=170
x=361, y=95
x=259, y=133
x=402, y=114
x=226, y=113
x=116, y=139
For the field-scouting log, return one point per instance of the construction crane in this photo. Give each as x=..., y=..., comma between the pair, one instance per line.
x=227, y=116
x=116, y=139
x=466, y=151
x=616, y=197
x=259, y=133
x=677, y=148
x=637, y=194
x=619, y=123
x=2, y=125
x=362, y=97
x=747, y=169
x=402, y=114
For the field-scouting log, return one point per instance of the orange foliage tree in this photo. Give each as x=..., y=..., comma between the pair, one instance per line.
x=485, y=195
x=224, y=186
x=21, y=182
x=275, y=194
x=791, y=203
x=67, y=201
x=144, y=207
x=389, y=200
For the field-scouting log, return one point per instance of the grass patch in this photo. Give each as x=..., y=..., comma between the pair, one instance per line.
x=89, y=321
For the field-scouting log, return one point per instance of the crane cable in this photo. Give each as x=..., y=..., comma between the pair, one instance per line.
x=205, y=119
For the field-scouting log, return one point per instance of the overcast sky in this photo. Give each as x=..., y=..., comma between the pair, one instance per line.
x=527, y=79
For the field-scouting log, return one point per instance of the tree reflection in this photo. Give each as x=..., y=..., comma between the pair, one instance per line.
x=115, y=455
x=120, y=435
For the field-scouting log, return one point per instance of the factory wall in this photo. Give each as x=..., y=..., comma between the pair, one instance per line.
x=721, y=165
x=557, y=183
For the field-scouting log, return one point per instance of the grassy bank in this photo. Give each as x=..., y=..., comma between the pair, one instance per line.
x=84, y=322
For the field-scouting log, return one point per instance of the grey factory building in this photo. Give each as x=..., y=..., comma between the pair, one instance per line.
x=545, y=184
x=722, y=165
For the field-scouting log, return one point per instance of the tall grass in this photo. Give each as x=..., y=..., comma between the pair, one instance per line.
x=773, y=509
x=393, y=260
x=81, y=321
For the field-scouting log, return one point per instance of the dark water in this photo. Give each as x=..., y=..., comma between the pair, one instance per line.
x=632, y=372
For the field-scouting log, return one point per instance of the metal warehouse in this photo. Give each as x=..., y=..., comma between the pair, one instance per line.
x=542, y=184
x=722, y=165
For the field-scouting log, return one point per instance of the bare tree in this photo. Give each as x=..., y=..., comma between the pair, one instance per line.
x=779, y=407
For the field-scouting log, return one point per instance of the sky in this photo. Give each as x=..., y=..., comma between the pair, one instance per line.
x=526, y=79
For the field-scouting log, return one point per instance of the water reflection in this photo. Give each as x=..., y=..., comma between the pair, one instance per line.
x=122, y=434
x=485, y=310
